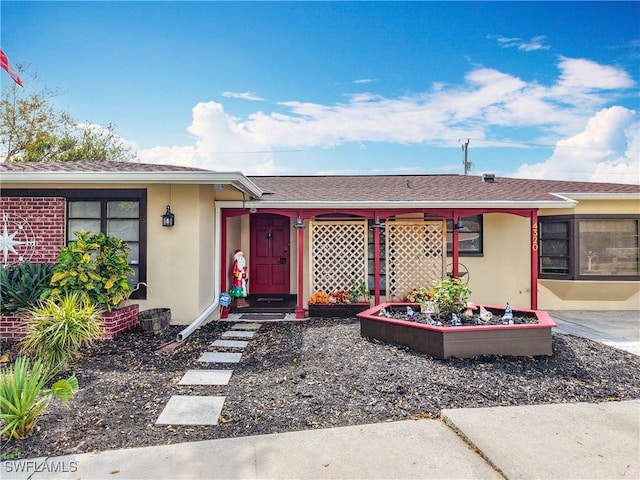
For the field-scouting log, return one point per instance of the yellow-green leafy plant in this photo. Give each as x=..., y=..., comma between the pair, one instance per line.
x=23, y=396
x=58, y=327
x=95, y=265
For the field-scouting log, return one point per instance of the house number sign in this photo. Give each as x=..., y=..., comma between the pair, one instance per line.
x=534, y=237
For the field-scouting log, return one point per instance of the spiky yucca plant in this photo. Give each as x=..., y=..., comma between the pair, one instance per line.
x=58, y=327
x=23, y=396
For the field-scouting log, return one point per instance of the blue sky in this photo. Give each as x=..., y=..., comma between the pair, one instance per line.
x=541, y=89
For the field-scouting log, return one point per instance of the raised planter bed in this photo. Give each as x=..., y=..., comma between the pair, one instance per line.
x=337, y=311
x=119, y=320
x=464, y=341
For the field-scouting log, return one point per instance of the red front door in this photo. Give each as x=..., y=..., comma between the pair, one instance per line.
x=269, y=264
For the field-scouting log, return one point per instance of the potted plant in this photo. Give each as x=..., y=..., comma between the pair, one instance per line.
x=340, y=303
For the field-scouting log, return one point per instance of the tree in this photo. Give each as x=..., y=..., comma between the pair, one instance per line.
x=33, y=130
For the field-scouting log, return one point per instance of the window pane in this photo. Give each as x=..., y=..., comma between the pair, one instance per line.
x=554, y=229
x=122, y=209
x=78, y=225
x=469, y=237
x=555, y=265
x=84, y=209
x=608, y=247
x=126, y=230
x=133, y=279
x=134, y=254
x=555, y=247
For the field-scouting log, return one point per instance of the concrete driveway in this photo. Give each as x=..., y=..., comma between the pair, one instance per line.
x=620, y=329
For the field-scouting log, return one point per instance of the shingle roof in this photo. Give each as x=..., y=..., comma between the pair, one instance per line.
x=436, y=188
x=92, y=167
x=366, y=188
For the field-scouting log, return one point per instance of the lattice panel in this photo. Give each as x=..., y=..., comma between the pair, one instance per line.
x=338, y=254
x=416, y=255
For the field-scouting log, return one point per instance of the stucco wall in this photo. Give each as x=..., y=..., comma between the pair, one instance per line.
x=503, y=273
x=588, y=295
x=180, y=264
x=597, y=207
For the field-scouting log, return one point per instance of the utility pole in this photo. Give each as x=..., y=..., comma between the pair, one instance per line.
x=465, y=161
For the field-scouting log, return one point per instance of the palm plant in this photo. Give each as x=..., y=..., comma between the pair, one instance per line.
x=23, y=396
x=58, y=327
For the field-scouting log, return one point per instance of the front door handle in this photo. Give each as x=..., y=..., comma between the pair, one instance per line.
x=283, y=260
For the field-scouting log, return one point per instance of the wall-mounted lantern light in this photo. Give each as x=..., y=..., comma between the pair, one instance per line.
x=168, y=219
x=299, y=223
x=377, y=223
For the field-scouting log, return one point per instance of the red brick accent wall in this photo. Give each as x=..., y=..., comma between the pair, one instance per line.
x=46, y=217
x=12, y=328
x=120, y=320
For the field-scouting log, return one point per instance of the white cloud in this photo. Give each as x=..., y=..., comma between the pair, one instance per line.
x=488, y=99
x=243, y=96
x=607, y=150
x=536, y=43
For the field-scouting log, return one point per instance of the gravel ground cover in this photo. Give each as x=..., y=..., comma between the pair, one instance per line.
x=317, y=373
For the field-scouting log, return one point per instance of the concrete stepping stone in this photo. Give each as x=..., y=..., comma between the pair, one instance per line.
x=238, y=334
x=206, y=377
x=191, y=410
x=231, y=343
x=220, y=357
x=246, y=326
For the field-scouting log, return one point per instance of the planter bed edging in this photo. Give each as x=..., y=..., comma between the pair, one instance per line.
x=464, y=341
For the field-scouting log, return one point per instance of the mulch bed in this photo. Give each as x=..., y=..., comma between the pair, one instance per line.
x=317, y=373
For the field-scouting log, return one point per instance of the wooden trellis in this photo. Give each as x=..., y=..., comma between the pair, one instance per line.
x=338, y=254
x=416, y=253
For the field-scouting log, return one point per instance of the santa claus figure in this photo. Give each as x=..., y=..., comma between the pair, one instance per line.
x=239, y=283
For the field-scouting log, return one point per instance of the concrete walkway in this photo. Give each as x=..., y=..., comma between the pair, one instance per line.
x=565, y=441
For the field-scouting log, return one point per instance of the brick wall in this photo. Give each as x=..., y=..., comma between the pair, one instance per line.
x=45, y=219
x=120, y=320
x=13, y=328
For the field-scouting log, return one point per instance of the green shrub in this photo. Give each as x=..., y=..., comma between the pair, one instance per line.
x=450, y=296
x=23, y=396
x=95, y=265
x=58, y=327
x=21, y=286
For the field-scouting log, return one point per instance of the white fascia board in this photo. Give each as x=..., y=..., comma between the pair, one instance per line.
x=395, y=205
x=599, y=196
x=235, y=179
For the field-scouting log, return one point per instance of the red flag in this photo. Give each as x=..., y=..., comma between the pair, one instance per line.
x=4, y=63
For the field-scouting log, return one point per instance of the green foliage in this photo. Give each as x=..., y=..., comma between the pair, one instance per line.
x=358, y=292
x=21, y=286
x=59, y=327
x=23, y=396
x=96, y=266
x=32, y=130
x=450, y=296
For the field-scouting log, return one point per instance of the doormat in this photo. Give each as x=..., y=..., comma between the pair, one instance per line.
x=270, y=299
x=262, y=316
